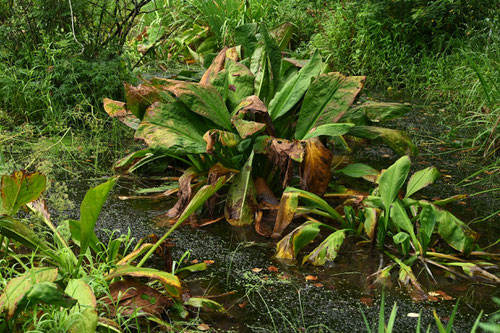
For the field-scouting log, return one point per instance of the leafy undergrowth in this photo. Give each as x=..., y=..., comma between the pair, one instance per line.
x=70, y=281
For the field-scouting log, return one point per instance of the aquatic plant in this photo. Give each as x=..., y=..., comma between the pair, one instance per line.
x=69, y=267
x=249, y=121
x=413, y=225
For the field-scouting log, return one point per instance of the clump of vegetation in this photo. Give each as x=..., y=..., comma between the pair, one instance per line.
x=71, y=270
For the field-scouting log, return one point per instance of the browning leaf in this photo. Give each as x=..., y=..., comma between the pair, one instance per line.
x=286, y=212
x=127, y=297
x=116, y=109
x=184, y=193
x=251, y=117
x=282, y=153
x=315, y=171
x=216, y=66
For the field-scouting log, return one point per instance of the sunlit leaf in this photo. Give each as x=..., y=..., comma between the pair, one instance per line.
x=20, y=188
x=89, y=212
x=116, y=109
x=295, y=88
x=326, y=100
x=17, y=287
x=421, y=179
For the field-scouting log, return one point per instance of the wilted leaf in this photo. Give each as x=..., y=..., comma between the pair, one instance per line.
x=241, y=198
x=140, y=98
x=326, y=101
x=17, y=288
x=205, y=303
x=184, y=193
x=291, y=244
x=20, y=188
x=251, y=117
x=397, y=140
x=286, y=212
x=327, y=250
x=370, y=222
x=116, y=109
x=170, y=281
x=224, y=138
x=282, y=153
x=129, y=297
x=315, y=171
x=421, y=179
x=311, y=278
x=381, y=111
x=217, y=65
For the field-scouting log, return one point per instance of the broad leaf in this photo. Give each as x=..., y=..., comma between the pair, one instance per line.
x=400, y=218
x=456, y=233
x=116, y=109
x=295, y=88
x=18, y=287
x=286, y=211
x=331, y=130
x=358, y=170
x=45, y=292
x=327, y=250
x=241, y=200
x=82, y=292
x=315, y=173
x=427, y=220
x=89, y=212
x=403, y=239
x=397, y=140
x=421, y=179
x=140, y=98
x=327, y=99
x=283, y=34
x=291, y=244
x=214, y=69
x=20, y=188
x=392, y=179
x=240, y=82
x=173, y=128
x=170, y=281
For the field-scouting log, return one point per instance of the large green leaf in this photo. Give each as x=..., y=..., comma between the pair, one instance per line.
x=295, y=88
x=19, y=286
x=89, y=212
x=206, y=101
x=327, y=250
x=82, y=292
x=397, y=140
x=327, y=99
x=291, y=244
x=20, y=188
x=45, y=292
x=331, y=130
x=283, y=34
x=173, y=128
x=241, y=82
x=456, y=233
x=358, y=170
x=169, y=281
x=427, y=218
x=400, y=219
x=392, y=179
x=421, y=179
x=241, y=200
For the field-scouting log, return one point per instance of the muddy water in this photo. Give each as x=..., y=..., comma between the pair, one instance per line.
x=270, y=296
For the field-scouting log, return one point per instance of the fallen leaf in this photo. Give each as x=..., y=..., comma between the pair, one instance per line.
x=368, y=301
x=195, y=261
x=208, y=262
x=203, y=327
x=256, y=270
x=318, y=285
x=311, y=278
x=413, y=315
x=272, y=268
x=242, y=305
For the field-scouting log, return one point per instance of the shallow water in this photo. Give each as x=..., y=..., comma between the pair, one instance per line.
x=282, y=300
